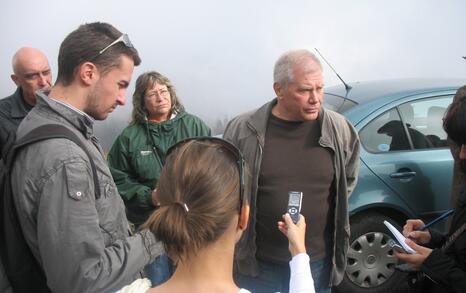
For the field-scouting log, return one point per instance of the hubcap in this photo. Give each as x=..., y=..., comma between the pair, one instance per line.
x=370, y=260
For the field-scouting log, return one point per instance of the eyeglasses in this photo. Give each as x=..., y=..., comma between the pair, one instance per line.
x=161, y=93
x=123, y=38
x=232, y=149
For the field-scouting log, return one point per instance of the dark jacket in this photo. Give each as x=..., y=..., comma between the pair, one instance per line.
x=448, y=268
x=136, y=166
x=247, y=132
x=13, y=109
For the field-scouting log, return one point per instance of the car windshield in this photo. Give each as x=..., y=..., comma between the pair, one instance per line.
x=337, y=103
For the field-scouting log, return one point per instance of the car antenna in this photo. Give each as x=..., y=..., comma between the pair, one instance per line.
x=347, y=86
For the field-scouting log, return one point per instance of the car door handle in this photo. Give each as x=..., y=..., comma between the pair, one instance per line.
x=403, y=175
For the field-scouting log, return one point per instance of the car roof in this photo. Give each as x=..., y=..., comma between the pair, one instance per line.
x=393, y=89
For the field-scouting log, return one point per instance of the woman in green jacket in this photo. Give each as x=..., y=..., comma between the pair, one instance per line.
x=138, y=154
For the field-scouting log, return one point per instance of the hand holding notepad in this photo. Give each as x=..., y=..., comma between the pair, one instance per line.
x=399, y=237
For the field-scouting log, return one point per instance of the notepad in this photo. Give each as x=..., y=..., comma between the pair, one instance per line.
x=399, y=237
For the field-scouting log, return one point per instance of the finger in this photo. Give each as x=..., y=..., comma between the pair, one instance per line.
x=411, y=225
x=415, y=235
x=420, y=249
x=414, y=224
x=399, y=255
x=283, y=230
x=288, y=220
x=404, y=257
x=301, y=222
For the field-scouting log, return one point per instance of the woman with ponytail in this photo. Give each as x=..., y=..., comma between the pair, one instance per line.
x=203, y=212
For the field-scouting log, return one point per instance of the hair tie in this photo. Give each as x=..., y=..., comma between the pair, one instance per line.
x=183, y=205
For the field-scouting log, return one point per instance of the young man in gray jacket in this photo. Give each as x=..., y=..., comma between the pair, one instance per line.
x=81, y=242
x=293, y=144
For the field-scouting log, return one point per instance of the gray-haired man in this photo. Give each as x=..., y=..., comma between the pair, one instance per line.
x=294, y=144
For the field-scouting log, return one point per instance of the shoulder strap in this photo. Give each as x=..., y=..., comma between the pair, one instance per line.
x=450, y=240
x=50, y=131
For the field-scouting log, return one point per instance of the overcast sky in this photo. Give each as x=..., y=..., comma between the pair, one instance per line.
x=220, y=54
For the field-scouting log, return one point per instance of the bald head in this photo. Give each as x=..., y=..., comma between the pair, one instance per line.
x=31, y=72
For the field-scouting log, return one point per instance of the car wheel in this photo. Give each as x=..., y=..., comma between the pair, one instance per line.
x=370, y=261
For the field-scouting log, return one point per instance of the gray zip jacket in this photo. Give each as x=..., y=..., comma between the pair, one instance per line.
x=82, y=244
x=247, y=132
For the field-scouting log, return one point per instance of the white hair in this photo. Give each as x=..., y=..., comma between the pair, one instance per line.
x=284, y=66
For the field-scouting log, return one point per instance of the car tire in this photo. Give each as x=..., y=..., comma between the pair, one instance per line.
x=370, y=261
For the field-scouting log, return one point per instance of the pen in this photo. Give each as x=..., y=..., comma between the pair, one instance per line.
x=441, y=217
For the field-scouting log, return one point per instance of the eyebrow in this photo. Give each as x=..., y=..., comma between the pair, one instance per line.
x=37, y=72
x=156, y=91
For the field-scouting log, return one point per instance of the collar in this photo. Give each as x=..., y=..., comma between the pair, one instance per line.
x=173, y=115
x=259, y=119
x=166, y=125
x=19, y=107
x=80, y=120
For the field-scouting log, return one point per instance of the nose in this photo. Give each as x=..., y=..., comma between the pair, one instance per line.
x=121, y=99
x=43, y=80
x=312, y=97
x=462, y=154
x=158, y=97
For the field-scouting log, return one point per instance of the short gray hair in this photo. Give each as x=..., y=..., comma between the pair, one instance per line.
x=283, y=70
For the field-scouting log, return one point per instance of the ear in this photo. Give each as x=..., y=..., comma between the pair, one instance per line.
x=88, y=73
x=277, y=88
x=15, y=79
x=243, y=218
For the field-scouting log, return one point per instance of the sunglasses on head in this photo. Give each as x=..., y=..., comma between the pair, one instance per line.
x=123, y=38
x=226, y=145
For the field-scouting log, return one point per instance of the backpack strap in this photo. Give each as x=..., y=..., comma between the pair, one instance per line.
x=21, y=267
x=50, y=131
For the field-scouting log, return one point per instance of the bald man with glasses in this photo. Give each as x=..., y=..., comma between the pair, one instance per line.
x=31, y=72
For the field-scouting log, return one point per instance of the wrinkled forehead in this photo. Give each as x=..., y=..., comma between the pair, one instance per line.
x=32, y=65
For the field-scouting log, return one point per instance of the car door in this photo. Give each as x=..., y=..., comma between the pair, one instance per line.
x=405, y=146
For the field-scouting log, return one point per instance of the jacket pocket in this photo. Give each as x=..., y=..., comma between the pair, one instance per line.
x=106, y=212
x=144, y=164
x=77, y=184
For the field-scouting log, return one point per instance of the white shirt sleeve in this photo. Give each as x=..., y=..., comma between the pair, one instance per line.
x=300, y=275
x=138, y=286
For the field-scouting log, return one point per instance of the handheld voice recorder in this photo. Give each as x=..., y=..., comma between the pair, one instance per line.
x=294, y=205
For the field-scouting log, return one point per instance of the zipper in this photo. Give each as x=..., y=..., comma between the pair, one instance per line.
x=257, y=160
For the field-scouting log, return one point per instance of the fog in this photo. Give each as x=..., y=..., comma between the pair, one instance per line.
x=220, y=54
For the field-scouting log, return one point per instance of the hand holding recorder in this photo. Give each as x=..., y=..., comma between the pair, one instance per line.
x=294, y=232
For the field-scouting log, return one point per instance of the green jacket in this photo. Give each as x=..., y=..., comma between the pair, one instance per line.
x=136, y=167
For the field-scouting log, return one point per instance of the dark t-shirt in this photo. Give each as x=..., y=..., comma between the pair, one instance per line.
x=293, y=160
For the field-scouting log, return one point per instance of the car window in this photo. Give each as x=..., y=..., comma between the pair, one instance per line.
x=424, y=121
x=385, y=133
